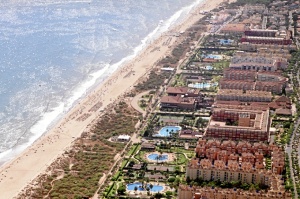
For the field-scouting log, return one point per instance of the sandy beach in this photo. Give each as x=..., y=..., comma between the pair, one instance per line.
x=22, y=170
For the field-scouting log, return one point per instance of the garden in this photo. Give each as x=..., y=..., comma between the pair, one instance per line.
x=138, y=176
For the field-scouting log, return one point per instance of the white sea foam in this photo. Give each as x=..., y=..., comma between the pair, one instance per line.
x=164, y=26
x=49, y=118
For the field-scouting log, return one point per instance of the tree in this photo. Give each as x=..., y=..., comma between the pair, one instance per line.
x=158, y=195
x=147, y=179
x=169, y=194
x=151, y=186
x=143, y=103
x=121, y=190
x=188, y=179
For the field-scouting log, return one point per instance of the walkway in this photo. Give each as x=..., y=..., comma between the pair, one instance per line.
x=288, y=150
x=289, y=147
x=135, y=102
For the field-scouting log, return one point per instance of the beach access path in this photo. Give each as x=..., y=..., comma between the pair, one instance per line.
x=20, y=172
x=135, y=102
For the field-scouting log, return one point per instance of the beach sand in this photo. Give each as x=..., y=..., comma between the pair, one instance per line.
x=22, y=170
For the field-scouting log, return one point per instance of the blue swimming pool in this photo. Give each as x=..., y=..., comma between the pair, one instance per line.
x=213, y=56
x=158, y=157
x=168, y=130
x=225, y=41
x=201, y=85
x=209, y=67
x=155, y=188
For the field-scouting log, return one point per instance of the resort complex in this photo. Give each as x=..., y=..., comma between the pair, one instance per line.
x=236, y=124
x=214, y=118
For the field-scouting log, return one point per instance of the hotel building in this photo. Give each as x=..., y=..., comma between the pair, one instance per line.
x=236, y=124
x=265, y=36
x=178, y=102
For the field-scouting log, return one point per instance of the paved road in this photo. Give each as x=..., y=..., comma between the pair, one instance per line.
x=288, y=150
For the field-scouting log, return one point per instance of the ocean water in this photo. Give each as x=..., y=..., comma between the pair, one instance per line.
x=54, y=51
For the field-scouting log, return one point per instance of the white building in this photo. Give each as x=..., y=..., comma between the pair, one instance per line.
x=123, y=138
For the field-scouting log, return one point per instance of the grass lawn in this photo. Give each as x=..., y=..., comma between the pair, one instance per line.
x=124, y=162
x=140, y=156
x=133, y=148
x=116, y=176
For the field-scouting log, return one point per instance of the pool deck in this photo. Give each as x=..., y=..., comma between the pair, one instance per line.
x=170, y=132
x=165, y=188
x=171, y=157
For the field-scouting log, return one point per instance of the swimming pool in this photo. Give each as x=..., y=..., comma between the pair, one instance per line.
x=214, y=56
x=201, y=85
x=158, y=157
x=155, y=188
x=225, y=41
x=209, y=67
x=168, y=130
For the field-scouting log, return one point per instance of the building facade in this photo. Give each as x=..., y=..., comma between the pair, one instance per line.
x=230, y=161
x=236, y=124
x=193, y=192
x=244, y=96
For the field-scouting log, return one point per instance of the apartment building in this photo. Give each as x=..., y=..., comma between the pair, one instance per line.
x=244, y=61
x=236, y=84
x=257, y=8
x=253, y=47
x=270, y=86
x=266, y=40
x=261, y=33
x=268, y=52
x=242, y=161
x=275, y=87
x=244, y=96
x=281, y=105
x=254, y=73
x=270, y=76
x=194, y=192
x=265, y=36
x=230, y=73
x=236, y=124
x=236, y=74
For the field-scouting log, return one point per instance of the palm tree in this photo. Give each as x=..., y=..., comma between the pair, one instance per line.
x=143, y=184
x=151, y=186
x=157, y=158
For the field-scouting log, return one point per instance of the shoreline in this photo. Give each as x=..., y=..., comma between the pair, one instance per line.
x=25, y=167
x=108, y=70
